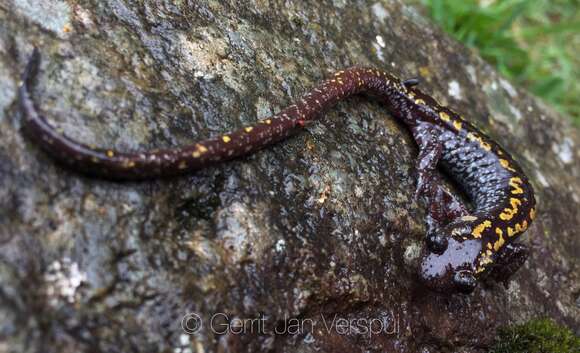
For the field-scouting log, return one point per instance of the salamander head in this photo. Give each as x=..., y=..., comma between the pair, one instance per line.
x=452, y=269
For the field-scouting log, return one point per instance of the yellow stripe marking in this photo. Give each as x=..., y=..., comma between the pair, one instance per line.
x=514, y=183
x=500, y=241
x=509, y=213
x=480, y=228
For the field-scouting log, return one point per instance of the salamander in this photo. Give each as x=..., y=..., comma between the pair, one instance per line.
x=465, y=242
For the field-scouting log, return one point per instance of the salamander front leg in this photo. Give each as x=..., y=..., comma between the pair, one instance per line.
x=508, y=261
x=429, y=185
x=429, y=154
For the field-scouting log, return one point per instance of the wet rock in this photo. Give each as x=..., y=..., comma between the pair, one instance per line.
x=317, y=237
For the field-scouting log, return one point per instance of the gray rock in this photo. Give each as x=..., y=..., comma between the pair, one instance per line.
x=320, y=230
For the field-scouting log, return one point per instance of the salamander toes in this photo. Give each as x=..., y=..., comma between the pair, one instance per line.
x=465, y=281
x=437, y=243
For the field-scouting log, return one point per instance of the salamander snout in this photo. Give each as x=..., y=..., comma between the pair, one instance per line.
x=452, y=270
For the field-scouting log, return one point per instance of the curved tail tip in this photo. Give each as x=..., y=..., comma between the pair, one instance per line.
x=411, y=82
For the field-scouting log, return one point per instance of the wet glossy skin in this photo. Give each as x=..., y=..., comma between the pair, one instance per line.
x=464, y=245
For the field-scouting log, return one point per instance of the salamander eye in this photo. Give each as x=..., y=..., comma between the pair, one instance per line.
x=465, y=281
x=437, y=243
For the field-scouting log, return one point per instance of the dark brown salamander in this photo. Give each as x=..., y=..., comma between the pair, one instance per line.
x=464, y=246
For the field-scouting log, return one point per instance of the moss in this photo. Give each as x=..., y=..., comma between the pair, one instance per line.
x=536, y=336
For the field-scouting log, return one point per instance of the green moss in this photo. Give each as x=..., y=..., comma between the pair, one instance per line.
x=536, y=336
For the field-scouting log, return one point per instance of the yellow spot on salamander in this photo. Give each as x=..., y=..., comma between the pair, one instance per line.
x=489, y=246
x=514, y=183
x=480, y=228
x=129, y=164
x=419, y=101
x=533, y=214
x=506, y=164
x=509, y=213
x=519, y=228
x=267, y=121
x=226, y=138
x=248, y=129
x=473, y=137
x=457, y=125
x=510, y=232
x=110, y=154
x=500, y=240
x=444, y=116
x=486, y=146
x=488, y=252
x=201, y=148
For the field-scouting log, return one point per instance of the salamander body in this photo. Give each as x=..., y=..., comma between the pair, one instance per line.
x=464, y=244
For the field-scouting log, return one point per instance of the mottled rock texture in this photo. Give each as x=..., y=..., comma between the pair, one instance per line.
x=317, y=228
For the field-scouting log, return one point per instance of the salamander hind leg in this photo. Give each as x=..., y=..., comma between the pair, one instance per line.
x=508, y=261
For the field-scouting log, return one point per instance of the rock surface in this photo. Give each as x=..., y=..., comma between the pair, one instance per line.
x=321, y=227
